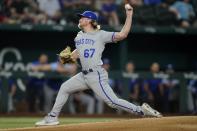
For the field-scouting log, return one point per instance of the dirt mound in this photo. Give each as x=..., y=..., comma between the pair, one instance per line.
x=179, y=123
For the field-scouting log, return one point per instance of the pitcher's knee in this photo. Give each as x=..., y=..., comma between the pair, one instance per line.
x=111, y=104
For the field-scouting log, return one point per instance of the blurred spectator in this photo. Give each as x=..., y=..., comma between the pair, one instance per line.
x=153, y=88
x=134, y=83
x=152, y=2
x=12, y=91
x=51, y=9
x=5, y=12
x=135, y=3
x=35, y=88
x=108, y=10
x=171, y=91
x=70, y=7
x=20, y=11
x=2, y=17
x=87, y=4
x=193, y=90
x=194, y=4
x=168, y=2
x=164, y=17
x=184, y=12
x=70, y=3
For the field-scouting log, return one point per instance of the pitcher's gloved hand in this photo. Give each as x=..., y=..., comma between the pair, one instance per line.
x=65, y=56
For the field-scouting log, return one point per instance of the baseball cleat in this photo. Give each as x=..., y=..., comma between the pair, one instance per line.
x=148, y=111
x=48, y=121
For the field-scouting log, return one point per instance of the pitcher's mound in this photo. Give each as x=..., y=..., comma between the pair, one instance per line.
x=179, y=123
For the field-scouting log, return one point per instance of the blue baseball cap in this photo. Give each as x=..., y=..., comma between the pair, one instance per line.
x=88, y=14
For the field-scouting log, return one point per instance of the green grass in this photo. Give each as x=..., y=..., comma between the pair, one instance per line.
x=19, y=122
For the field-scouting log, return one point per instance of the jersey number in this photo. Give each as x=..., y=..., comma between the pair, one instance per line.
x=88, y=53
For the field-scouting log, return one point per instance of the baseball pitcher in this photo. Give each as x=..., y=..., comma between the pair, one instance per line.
x=90, y=43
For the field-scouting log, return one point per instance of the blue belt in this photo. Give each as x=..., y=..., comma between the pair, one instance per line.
x=85, y=72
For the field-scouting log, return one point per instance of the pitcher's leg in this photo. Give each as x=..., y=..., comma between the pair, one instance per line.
x=104, y=91
x=74, y=84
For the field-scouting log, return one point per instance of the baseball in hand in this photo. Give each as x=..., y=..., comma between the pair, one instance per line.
x=128, y=7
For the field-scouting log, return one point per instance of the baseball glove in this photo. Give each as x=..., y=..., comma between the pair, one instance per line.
x=65, y=56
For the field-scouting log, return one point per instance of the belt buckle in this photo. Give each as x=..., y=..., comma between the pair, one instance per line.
x=85, y=72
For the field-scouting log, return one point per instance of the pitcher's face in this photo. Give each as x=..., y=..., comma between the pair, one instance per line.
x=83, y=21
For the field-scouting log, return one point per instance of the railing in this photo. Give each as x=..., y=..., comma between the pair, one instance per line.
x=20, y=78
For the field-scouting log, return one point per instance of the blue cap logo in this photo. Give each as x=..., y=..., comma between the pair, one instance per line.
x=88, y=14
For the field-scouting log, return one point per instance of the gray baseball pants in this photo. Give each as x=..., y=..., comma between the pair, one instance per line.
x=98, y=82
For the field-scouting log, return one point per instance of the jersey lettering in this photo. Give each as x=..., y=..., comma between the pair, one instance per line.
x=85, y=41
x=88, y=53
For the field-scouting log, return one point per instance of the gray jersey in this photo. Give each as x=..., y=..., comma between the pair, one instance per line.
x=90, y=47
